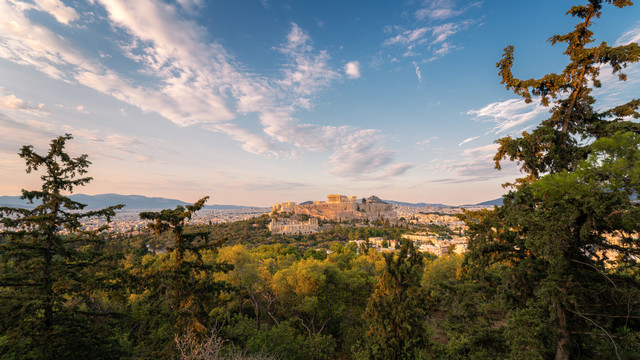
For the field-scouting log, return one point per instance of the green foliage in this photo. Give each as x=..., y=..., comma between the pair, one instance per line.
x=554, y=145
x=551, y=249
x=396, y=311
x=51, y=270
x=177, y=290
x=283, y=340
x=527, y=334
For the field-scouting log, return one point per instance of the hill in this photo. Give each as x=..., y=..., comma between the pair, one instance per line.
x=497, y=202
x=131, y=202
x=420, y=205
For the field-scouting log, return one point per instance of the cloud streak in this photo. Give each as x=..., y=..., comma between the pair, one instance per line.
x=630, y=36
x=436, y=27
x=468, y=140
x=509, y=114
x=476, y=164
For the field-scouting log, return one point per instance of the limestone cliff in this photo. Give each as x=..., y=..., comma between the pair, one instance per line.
x=347, y=211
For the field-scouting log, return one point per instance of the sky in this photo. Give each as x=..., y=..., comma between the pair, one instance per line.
x=255, y=102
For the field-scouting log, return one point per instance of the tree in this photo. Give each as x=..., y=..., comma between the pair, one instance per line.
x=555, y=145
x=178, y=285
x=396, y=311
x=50, y=266
x=553, y=239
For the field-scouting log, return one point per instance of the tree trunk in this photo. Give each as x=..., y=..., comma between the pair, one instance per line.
x=48, y=284
x=564, y=337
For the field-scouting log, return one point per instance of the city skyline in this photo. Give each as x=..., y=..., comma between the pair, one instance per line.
x=259, y=102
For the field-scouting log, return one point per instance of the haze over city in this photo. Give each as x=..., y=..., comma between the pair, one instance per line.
x=258, y=102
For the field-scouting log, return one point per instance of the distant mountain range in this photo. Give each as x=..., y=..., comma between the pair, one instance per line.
x=138, y=202
x=497, y=202
x=443, y=206
x=420, y=205
x=131, y=202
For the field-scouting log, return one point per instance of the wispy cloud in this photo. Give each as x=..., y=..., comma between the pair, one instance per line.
x=24, y=131
x=408, y=37
x=423, y=143
x=308, y=71
x=443, y=9
x=630, y=36
x=359, y=154
x=418, y=72
x=393, y=171
x=436, y=13
x=476, y=164
x=258, y=185
x=100, y=145
x=470, y=139
x=431, y=38
x=509, y=114
x=444, y=49
x=191, y=5
x=426, y=40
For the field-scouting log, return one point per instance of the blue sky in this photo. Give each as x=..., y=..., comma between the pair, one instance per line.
x=262, y=101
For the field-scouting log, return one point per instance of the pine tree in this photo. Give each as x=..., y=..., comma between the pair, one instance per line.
x=564, y=235
x=396, y=311
x=179, y=285
x=557, y=144
x=50, y=266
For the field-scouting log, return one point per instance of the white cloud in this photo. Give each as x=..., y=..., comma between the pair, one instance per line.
x=309, y=71
x=470, y=139
x=437, y=14
x=631, y=36
x=81, y=109
x=251, y=142
x=444, y=49
x=442, y=32
x=418, y=72
x=509, y=114
x=192, y=74
x=57, y=9
x=12, y=102
x=352, y=69
x=408, y=37
x=443, y=9
x=613, y=91
x=359, y=154
x=476, y=164
x=426, y=38
x=25, y=43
